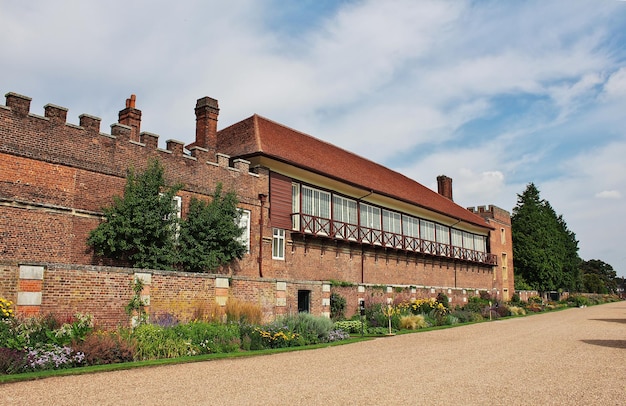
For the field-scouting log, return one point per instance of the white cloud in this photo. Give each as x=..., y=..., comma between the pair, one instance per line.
x=615, y=87
x=495, y=94
x=609, y=194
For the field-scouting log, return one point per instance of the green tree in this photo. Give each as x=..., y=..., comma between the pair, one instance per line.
x=572, y=276
x=545, y=252
x=209, y=237
x=138, y=227
x=598, y=277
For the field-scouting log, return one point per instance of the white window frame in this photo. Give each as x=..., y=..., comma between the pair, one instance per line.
x=317, y=203
x=457, y=241
x=392, y=223
x=371, y=218
x=244, y=222
x=278, y=243
x=295, y=206
x=345, y=211
x=178, y=210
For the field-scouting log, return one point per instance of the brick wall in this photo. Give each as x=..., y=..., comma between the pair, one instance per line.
x=55, y=177
x=316, y=259
x=397, y=294
x=500, y=242
x=103, y=292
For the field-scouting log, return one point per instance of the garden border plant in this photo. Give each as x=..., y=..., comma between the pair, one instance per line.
x=73, y=342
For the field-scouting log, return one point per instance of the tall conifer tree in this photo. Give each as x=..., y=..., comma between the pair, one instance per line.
x=545, y=252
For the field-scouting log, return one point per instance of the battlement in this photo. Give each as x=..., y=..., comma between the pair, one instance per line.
x=53, y=133
x=492, y=212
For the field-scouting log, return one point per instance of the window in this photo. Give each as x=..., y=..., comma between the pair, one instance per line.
x=316, y=208
x=370, y=219
x=468, y=240
x=457, y=242
x=345, y=218
x=427, y=232
x=442, y=236
x=411, y=231
x=505, y=272
x=392, y=224
x=295, y=206
x=244, y=222
x=480, y=243
x=502, y=236
x=278, y=243
x=177, y=206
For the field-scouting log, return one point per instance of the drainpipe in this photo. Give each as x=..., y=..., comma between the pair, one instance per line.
x=450, y=237
x=262, y=199
x=359, y=228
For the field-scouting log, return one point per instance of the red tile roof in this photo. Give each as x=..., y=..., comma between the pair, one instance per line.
x=257, y=135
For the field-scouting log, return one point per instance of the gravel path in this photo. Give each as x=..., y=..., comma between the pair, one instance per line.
x=576, y=356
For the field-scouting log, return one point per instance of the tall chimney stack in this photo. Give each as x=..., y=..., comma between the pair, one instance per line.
x=207, y=111
x=444, y=186
x=131, y=117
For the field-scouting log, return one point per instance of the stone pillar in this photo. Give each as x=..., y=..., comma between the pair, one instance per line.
x=29, y=290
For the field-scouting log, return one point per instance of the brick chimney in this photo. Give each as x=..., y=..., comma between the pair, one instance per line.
x=444, y=186
x=131, y=117
x=207, y=111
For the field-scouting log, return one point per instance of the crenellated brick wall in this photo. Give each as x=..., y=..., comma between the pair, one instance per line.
x=55, y=178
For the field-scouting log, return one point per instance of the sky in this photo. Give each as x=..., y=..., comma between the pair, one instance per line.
x=494, y=94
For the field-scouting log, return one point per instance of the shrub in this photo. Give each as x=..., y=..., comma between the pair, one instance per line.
x=443, y=299
x=251, y=338
x=12, y=361
x=375, y=316
x=337, y=335
x=275, y=336
x=337, y=306
x=313, y=329
x=463, y=316
x=476, y=304
x=106, y=348
x=350, y=326
x=476, y=317
x=154, y=342
x=412, y=322
x=578, y=300
x=502, y=310
x=515, y=298
x=451, y=320
x=378, y=331
x=206, y=338
x=517, y=311
x=243, y=312
x=74, y=329
x=9, y=335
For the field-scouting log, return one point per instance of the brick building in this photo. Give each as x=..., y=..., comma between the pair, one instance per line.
x=314, y=215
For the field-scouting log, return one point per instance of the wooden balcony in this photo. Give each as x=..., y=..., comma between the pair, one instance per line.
x=327, y=228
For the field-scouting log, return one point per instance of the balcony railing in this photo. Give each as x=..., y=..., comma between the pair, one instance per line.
x=319, y=226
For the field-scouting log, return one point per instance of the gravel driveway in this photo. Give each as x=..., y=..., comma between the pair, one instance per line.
x=575, y=356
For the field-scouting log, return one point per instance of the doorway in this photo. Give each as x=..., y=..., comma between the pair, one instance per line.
x=304, y=301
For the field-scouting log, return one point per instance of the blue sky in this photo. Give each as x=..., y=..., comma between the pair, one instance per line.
x=493, y=94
